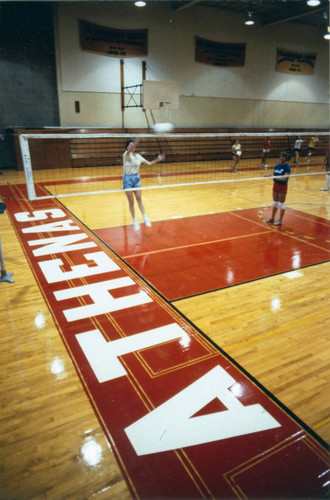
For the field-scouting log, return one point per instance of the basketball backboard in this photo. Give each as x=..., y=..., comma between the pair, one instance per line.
x=160, y=95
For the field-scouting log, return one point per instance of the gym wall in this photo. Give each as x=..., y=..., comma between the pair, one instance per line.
x=252, y=96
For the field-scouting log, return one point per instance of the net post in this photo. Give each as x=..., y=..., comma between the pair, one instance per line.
x=25, y=150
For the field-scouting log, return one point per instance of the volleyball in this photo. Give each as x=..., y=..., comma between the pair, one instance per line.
x=162, y=128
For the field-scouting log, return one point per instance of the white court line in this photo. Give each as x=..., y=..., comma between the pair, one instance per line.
x=293, y=274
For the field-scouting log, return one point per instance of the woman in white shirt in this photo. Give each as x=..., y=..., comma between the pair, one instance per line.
x=131, y=179
x=297, y=147
x=237, y=151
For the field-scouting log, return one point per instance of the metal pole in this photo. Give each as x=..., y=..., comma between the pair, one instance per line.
x=4, y=275
x=25, y=151
x=122, y=93
x=144, y=76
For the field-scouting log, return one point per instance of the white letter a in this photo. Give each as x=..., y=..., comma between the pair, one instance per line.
x=171, y=425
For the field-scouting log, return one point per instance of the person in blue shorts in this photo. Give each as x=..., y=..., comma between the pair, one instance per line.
x=131, y=179
x=280, y=187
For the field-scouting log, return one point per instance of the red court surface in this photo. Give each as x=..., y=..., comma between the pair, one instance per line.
x=186, y=257
x=183, y=419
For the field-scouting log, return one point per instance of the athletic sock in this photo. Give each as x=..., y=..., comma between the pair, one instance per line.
x=146, y=220
x=136, y=224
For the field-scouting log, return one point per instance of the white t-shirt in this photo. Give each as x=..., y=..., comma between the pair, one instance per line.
x=237, y=149
x=132, y=163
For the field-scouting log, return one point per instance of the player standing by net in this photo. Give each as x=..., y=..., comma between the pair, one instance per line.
x=265, y=152
x=297, y=147
x=236, y=149
x=311, y=148
x=326, y=165
x=280, y=187
x=131, y=179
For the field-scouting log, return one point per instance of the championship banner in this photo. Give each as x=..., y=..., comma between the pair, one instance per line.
x=219, y=54
x=302, y=63
x=113, y=42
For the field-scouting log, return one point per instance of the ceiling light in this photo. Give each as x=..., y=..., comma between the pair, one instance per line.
x=249, y=21
x=313, y=3
x=140, y=3
x=327, y=35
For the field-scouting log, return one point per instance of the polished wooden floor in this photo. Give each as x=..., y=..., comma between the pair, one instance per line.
x=52, y=446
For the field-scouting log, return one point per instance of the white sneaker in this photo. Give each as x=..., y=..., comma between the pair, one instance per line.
x=325, y=188
x=147, y=221
x=136, y=225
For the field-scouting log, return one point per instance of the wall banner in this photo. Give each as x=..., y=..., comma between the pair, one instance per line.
x=301, y=63
x=219, y=54
x=113, y=42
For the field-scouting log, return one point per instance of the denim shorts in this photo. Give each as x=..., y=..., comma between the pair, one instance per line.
x=131, y=181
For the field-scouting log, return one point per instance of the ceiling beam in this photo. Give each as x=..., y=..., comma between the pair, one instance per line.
x=186, y=5
x=293, y=18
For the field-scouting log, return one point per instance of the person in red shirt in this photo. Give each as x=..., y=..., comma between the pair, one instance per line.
x=265, y=152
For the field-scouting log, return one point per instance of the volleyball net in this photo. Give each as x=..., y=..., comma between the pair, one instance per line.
x=66, y=164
